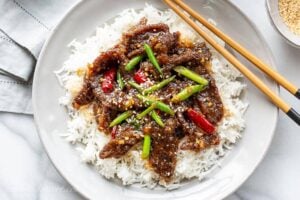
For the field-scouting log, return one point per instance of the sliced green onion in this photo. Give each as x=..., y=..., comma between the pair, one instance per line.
x=191, y=75
x=147, y=100
x=133, y=62
x=152, y=58
x=158, y=85
x=187, y=92
x=146, y=146
x=145, y=112
x=136, y=86
x=120, y=118
x=120, y=80
x=157, y=118
x=159, y=105
x=164, y=107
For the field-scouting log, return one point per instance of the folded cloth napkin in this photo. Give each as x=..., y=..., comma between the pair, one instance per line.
x=24, y=26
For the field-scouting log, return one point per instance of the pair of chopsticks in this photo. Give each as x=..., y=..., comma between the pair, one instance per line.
x=280, y=103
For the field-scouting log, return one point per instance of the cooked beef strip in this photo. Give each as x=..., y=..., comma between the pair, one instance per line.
x=108, y=59
x=187, y=127
x=156, y=35
x=199, y=55
x=209, y=100
x=164, y=148
x=102, y=118
x=103, y=115
x=149, y=70
x=197, y=143
x=119, y=146
x=118, y=100
x=143, y=21
x=85, y=96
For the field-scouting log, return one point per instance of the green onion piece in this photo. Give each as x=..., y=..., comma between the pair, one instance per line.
x=191, y=75
x=164, y=107
x=120, y=118
x=157, y=118
x=187, y=92
x=133, y=62
x=152, y=58
x=120, y=80
x=158, y=85
x=145, y=112
x=136, y=86
x=145, y=99
x=159, y=105
x=146, y=146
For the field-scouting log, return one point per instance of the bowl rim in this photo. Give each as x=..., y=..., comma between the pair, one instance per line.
x=35, y=96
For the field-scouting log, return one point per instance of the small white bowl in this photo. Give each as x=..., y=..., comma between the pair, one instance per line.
x=280, y=26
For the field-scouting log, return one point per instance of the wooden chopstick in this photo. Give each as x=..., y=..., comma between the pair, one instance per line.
x=242, y=50
x=235, y=62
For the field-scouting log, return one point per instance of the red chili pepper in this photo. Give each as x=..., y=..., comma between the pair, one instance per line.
x=108, y=79
x=200, y=121
x=139, y=77
x=114, y=132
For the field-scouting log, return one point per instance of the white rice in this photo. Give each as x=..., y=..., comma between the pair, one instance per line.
x=82, y=128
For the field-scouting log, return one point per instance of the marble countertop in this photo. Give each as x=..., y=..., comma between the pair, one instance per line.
x=27, y=173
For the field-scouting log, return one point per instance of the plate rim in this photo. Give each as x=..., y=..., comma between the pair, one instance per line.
x=34, y=96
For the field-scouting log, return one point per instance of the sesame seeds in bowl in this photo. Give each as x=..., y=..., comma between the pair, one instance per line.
x=285, y=18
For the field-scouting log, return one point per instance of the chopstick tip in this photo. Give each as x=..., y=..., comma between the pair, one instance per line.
x=298, y=94
x=294, y=115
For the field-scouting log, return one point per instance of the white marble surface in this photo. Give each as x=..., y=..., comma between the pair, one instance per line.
x=27, y=173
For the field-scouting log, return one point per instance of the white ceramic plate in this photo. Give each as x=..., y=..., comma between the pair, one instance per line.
x=51, y=119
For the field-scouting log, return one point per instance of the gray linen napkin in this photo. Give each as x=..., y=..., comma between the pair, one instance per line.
x=12, y=57
x=24, y=26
